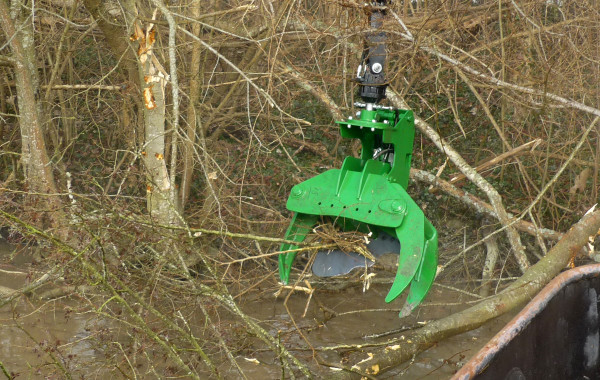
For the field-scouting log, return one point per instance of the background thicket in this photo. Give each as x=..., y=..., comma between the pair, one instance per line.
x=148, y=149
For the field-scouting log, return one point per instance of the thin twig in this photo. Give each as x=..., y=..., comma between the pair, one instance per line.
x=499, y=158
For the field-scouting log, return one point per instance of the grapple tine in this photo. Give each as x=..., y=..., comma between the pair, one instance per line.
x=425, y=274
x=411, y=252
x=300, y=226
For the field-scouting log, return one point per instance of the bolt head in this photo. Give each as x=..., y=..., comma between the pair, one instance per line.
x=376, y=67
x=397, y=207
x=297, y=192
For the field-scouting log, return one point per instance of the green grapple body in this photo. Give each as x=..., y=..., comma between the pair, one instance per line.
x=369, y=194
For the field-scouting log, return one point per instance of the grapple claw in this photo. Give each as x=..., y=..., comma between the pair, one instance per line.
x=300, y=226
x=370, y=191
x=425, y=275
x=411, y=253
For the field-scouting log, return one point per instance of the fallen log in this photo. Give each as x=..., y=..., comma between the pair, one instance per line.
x=521, y=291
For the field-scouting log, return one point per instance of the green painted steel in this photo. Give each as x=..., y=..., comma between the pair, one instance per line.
x=369, y=194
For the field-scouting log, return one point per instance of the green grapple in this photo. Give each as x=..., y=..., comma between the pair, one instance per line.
x=369, y=194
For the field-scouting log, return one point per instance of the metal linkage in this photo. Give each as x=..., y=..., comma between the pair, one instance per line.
x=371, y=73
x=371, y=106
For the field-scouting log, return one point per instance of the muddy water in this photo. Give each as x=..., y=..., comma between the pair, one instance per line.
x=31, y=332
x=370, y=327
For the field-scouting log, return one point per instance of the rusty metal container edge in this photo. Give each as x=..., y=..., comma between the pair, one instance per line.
x=480, y=361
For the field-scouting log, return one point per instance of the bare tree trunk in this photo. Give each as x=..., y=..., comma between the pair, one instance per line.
x=491, y=258
x=162, y=205
x=188, y=144
x=36, y=164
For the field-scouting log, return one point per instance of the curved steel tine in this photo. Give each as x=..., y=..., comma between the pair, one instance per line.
x=425, y=275
x=300, y=226
x=411, y=252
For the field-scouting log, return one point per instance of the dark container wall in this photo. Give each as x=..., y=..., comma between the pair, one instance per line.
x=556, y=336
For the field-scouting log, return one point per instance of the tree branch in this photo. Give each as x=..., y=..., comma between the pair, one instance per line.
x=473, y=176
x=479, y=205
x=521, y=291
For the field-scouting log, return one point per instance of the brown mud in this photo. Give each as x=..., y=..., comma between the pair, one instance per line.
x=364, y=319
x=33, y=330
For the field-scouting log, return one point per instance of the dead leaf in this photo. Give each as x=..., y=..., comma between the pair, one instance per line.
x=375, y=369
x=580, y=181
x=591, y=210
x=212, y=175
